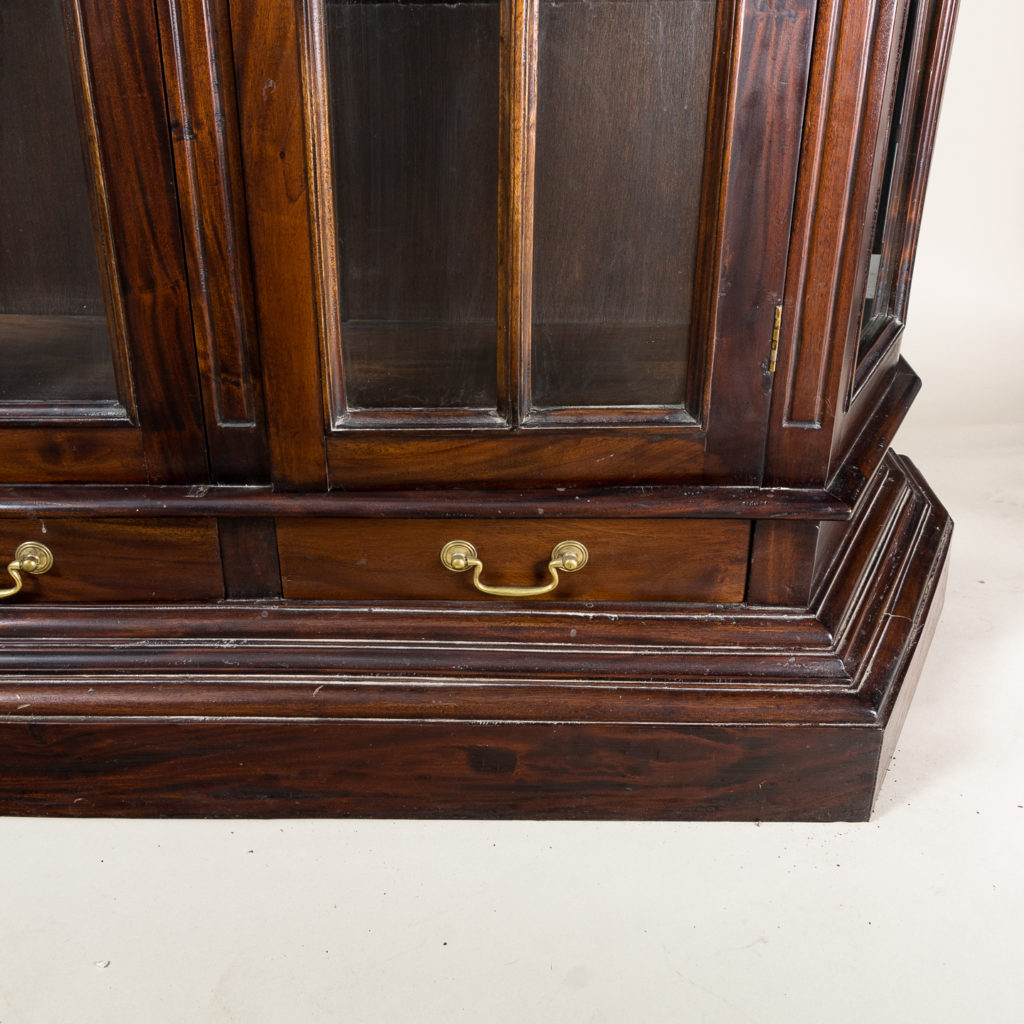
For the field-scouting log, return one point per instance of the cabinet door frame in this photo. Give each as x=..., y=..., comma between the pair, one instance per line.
x=754, y=128
x=156, y=434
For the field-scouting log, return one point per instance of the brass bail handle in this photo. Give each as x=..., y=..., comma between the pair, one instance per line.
x=30, y=557
x=567, y=556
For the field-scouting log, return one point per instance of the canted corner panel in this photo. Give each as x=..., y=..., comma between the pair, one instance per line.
x=823, y=206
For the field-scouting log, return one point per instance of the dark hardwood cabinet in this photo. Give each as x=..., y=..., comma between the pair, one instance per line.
x=461, y=409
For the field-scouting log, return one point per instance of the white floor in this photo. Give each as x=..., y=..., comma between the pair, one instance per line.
x=916, y=916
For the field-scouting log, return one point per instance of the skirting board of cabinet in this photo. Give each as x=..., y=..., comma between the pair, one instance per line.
x=292, y=709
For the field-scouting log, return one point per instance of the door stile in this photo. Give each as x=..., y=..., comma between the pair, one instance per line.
x=135, y=145
x=271, y=57
x=516, y=150
x=196, y=52
x=764, y=131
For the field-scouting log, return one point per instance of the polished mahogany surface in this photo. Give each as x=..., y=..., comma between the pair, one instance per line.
x=293, y=294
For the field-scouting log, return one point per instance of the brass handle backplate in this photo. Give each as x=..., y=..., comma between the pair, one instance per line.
x=30, y=557
x=567, y=556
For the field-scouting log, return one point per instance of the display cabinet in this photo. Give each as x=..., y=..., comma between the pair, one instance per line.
x=461, y=409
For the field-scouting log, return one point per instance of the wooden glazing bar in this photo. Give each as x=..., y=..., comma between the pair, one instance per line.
x=517, y=141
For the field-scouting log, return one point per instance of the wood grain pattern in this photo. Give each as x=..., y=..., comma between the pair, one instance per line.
x=781, y=562
x=248, y=554
x=272, y=59
x=815, y=420
x=196, y=50
x=123, y=45
x=527, y=458
x=728, y=714
x=247, y=502
x=517, y=148
x=297, y=647
x=763, y=144
x=72, y=454
x=361, y=451
x=439, y=771
x=635, y=560
x=120, y=559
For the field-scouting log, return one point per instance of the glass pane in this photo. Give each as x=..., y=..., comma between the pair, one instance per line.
x=414, y=114
x=621, y=111
x=881, y=266
x=54, y=343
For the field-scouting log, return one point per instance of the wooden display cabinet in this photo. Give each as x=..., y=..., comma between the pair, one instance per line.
x=461, y=409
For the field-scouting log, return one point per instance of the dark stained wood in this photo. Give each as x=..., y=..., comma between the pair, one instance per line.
x=438, y=771
x=815, y=421
x=614, y=502
x=871, y=426
x=128, y=92
x=248, y=553
x=762, y=147
x=72, y=454
x=271, y=59
x=530, y=457
x=781, y=562
x=764, y=575
x=112, y=53
x=119, y=559
x=517, y=150
x=196, y=49
x=634, y=560
x=364, y=453
x=50, y=383
x=938, y=18
x=838, y=100
x=763, y=715
x=908, y=150
x=561, y=652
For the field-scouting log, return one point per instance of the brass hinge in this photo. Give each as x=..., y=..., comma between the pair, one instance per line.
x=773, y=355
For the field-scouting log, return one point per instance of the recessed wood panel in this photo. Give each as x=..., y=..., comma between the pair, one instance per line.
x=631, y=560
x=119, y=559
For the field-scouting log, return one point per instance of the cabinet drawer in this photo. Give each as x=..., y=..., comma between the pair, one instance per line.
x=116, y=560
x=629, y=559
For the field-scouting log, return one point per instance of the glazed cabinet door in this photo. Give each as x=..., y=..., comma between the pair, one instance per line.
x=98, y=377
x=515, y=242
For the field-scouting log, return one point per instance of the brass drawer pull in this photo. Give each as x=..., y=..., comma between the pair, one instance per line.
x=30, y=557
x=567, y=556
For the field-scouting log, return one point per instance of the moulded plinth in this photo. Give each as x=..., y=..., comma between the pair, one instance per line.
x=277, y=709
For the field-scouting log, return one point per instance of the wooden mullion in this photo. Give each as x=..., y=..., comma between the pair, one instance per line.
x=516, y=148
x=270, y=63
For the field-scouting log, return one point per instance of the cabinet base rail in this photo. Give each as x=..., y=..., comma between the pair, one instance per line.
x=268, y=709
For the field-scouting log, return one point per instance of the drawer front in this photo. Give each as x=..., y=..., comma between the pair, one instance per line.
x=115, y=560
x=629, y=559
